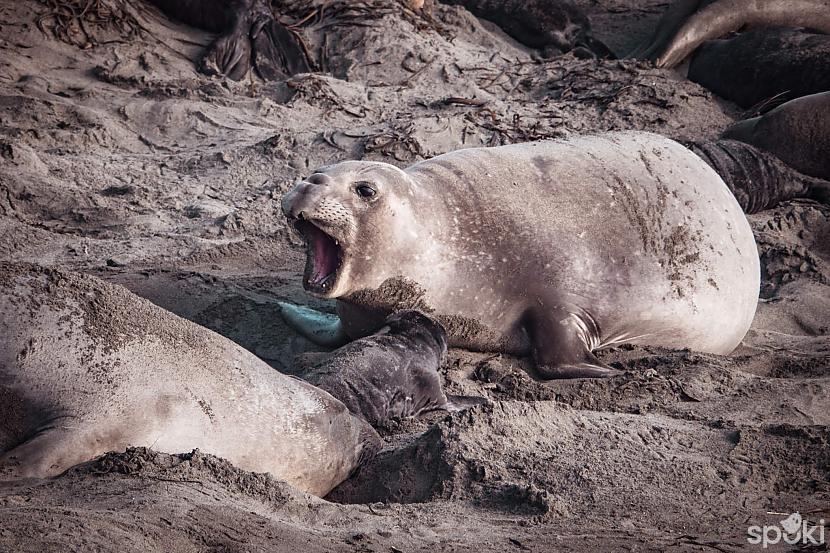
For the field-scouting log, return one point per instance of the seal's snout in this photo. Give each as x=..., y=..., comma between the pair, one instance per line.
x=319, y=219
x=319, y=178
x=296, y=201
x=288, y=201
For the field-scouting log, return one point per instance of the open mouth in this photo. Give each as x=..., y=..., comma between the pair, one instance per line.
x=324, y=257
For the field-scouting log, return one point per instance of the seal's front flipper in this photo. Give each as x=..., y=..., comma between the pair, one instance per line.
x=47, y=453
x=668, y=25
x=324, y=329
x=228, y=55
x=571, y=359
x=560, y=341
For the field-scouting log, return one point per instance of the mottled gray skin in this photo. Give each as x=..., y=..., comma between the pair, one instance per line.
x=87, y=367
x=758, y=179
x=552, y=248
x=391, y=374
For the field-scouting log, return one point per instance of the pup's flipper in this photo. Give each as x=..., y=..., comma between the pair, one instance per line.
x=324, y=329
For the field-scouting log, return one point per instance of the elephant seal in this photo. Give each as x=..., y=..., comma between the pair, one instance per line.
x=782, y=154
x=761, y=64
x=758, y=179
x=689, y=23
x=555, y=27
x=249, y=37
x=87, y=367
x=797, y=132
x=551, y=248
x=670, y=22
x=391, y=374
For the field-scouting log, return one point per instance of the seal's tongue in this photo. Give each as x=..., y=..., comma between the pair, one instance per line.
x=323, y=258
x=325, y=254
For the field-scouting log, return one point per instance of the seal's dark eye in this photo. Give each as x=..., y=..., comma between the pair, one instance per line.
x=365, y=190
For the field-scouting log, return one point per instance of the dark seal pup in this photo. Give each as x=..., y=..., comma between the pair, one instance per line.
x=391, y=374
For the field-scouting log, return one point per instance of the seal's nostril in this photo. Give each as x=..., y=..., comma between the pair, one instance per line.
x=318, y=178
x=301, y=215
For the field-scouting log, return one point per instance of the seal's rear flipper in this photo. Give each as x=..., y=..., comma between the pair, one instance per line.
x=248, y=33
x=277, y=53
x=577, y=370
x=324, y=329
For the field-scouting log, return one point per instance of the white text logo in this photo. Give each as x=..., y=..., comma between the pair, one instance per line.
x=792, y=530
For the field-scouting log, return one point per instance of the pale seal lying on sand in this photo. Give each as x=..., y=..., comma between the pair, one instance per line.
x=551, y=248
x=87, y=367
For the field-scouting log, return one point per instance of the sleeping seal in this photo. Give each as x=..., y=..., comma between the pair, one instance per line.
x=761, y=64
x=87, y=367
x=797, y=133
x=551, y=248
